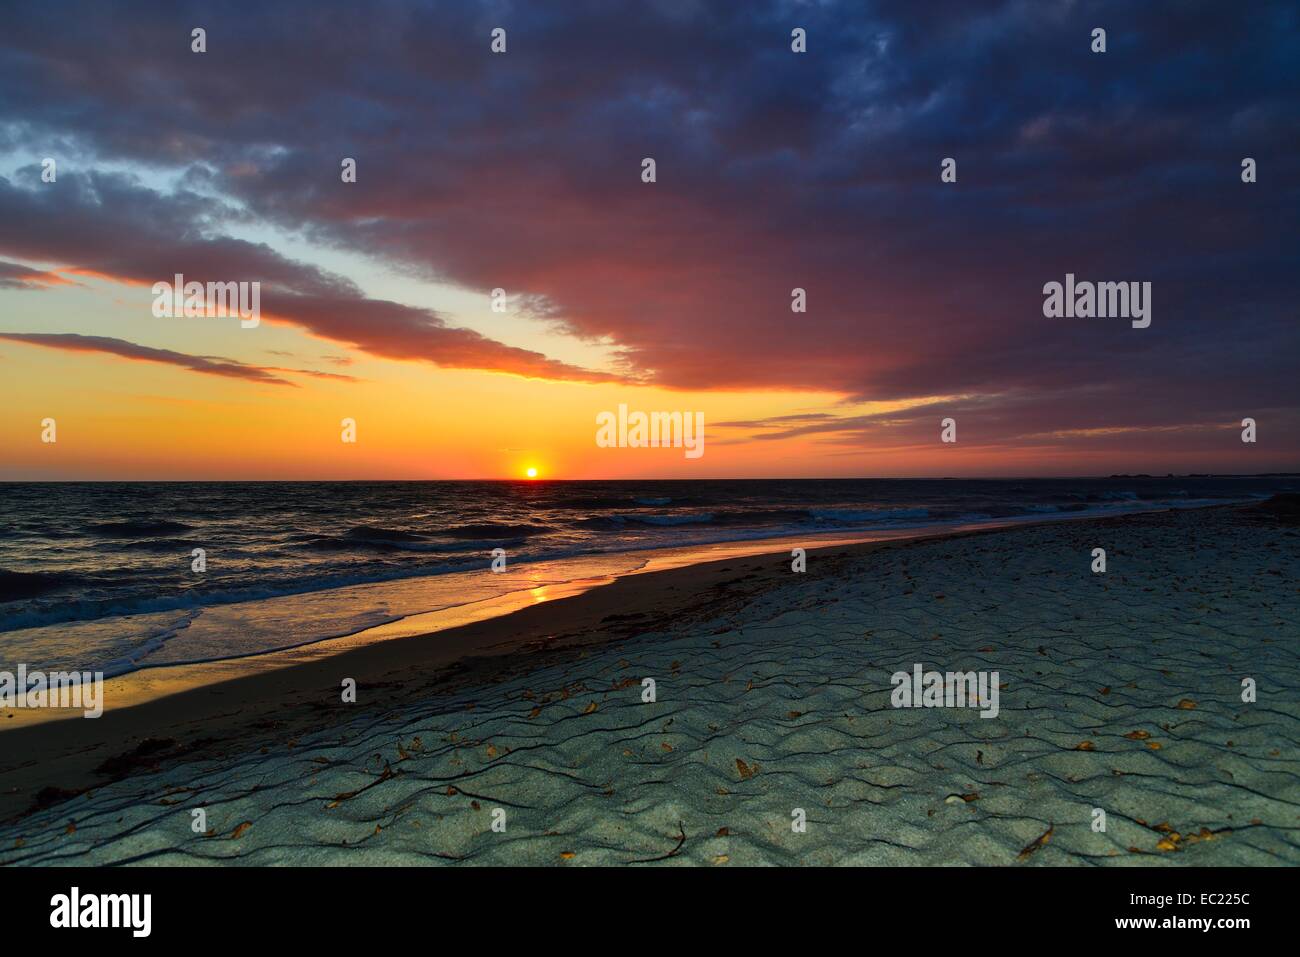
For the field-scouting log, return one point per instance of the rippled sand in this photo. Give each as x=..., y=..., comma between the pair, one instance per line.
x=1122, y=691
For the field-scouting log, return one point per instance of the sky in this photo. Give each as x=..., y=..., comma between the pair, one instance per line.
x=522, y=171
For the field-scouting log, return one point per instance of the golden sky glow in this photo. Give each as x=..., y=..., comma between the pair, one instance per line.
x=120, y=418
x=802, y=271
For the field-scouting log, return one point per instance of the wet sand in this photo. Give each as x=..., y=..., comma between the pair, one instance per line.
x=1121, y=692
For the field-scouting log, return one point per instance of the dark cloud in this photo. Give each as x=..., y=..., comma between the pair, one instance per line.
x=72, y=342
x=110, y=225
x=15, y=276
x=775, y=170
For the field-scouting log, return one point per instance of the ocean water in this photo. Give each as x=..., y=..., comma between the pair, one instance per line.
x=97, y=576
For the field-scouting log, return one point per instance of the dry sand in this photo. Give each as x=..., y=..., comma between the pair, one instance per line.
x=1122, y=691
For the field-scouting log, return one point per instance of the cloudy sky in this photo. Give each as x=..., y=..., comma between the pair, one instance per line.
x=523, y=171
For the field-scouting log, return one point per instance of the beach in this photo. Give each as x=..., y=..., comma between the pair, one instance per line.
x=530, y=737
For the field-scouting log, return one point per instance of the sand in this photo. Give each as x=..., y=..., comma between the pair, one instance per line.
x=1120, y=692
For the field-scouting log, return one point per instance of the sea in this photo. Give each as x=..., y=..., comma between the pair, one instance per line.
x=101, y=576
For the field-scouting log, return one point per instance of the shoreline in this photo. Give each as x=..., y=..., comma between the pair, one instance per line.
x=219, y=702
x=529, y=582
x=244, y=617
x=254, y=718
x=209, y=705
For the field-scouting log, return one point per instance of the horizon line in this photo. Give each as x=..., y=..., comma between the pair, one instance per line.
x=778, y=478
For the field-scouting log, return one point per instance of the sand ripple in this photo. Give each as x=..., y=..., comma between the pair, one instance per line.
x=782, y=702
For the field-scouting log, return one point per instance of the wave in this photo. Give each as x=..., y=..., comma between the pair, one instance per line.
x=154, y=546
x=95, y=609
x=124, y=564
x=136, y=528
x=17, y=586
x=767, y=519
x=463, y=539
x=488, y=530
x=867, y=515
x=698, y=518
x=373, y=533
x=605, y=503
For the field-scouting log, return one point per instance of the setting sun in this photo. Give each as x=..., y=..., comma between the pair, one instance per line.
x=531, y=471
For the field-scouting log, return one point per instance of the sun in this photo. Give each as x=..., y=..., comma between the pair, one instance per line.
x=531, y=471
